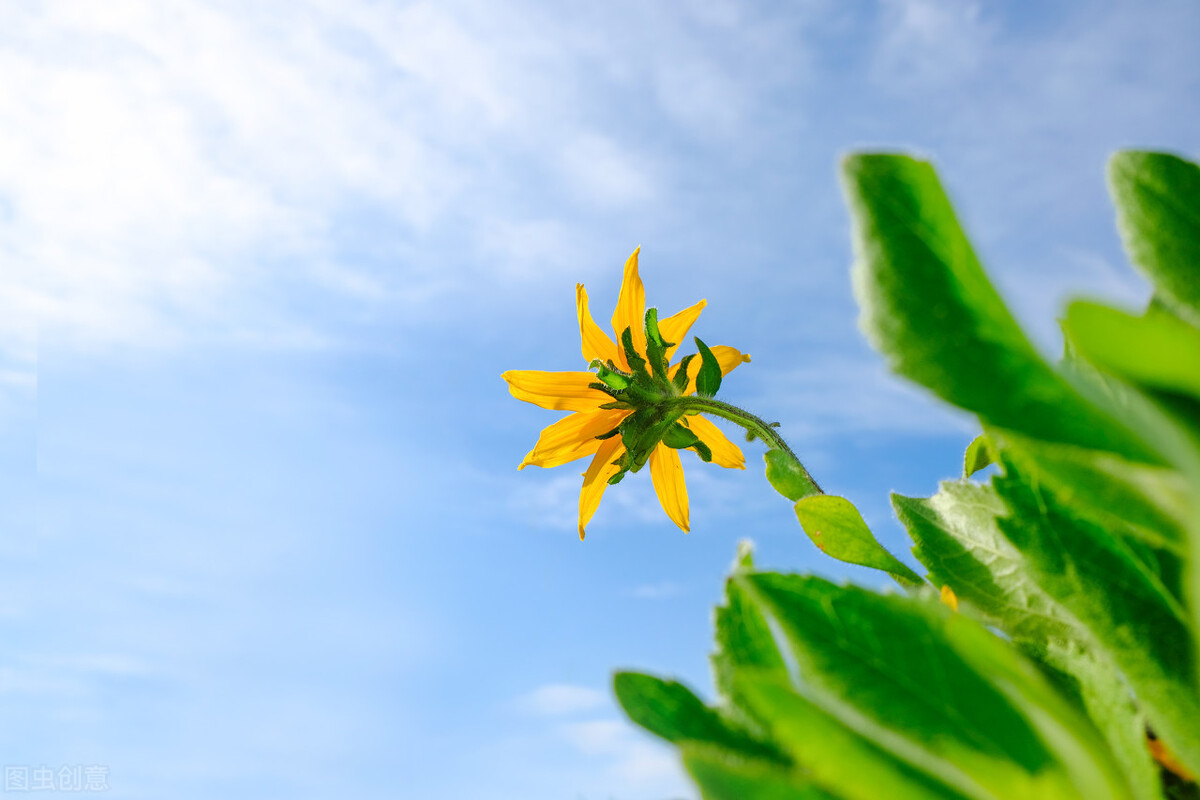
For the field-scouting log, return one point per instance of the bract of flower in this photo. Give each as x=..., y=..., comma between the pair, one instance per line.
x=575, y=436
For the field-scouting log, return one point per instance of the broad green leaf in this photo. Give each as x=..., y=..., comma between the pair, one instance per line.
x=929, y=308
x=836, y=527
x=788, y=475
x=1136, y=501
x=722, y=775
x=958, y=538
x=1124, y=606
x=670, y=710
x=708, y=381
x=1157, y=196
x=933, y=689
x=743, y=633
x=1156, y=350
x=1098, y=686
x=832, y=755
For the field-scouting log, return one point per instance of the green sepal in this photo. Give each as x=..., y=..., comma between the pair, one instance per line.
x=610, y=434
x=609, y=376
x=681, y=376
x=642, y=431
x=680, y=437
x=656, y=347
x=709, y=379
x=637, y=364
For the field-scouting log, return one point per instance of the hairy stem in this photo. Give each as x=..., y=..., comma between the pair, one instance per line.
x=738, y=416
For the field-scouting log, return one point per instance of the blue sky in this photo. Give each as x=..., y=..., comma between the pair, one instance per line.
x=263, y=265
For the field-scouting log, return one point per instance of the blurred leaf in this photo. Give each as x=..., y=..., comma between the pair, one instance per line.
x=788, y=475
x=1157, y=196
x=722, y=775
x=1133, y=500
x=831, y=754
x=1090, y=676
x=959, y=542
x=836, y=527
x=1156, y=350
x=978, y=456
x=670, y=710
x=1126, y=608
x=931, y=688
x=929, y=308
x=958, y=538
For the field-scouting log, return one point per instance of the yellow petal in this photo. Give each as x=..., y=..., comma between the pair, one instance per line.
x=572, y=437
x=667, y=474
x=675, y=327
x=595, y=480
x=631, y=308
x=727, y=357
x=724, y=452
x=949, y=598
x=561, y=391
x=596, y=343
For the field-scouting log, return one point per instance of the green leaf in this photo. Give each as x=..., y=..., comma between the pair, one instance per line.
x=1156, y=350
x=978, y=456
x=725, y=776
x=1157, y=196
x=830, y=754
x=708, y=382
x=929, y=308
x=934, y=689
x=1132, y=500
x=788, y=475
x=1098, y=686
x=1124, y=606
x=836, y=527
x=959, y=540
x=670, y=710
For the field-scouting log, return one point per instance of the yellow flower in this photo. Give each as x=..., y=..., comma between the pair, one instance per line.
x=574, y=436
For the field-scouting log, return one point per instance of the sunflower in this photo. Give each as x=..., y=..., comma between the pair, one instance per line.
x=594, y=428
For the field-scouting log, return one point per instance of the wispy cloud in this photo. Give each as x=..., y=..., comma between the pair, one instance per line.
x=562, y=699
x=629, y=755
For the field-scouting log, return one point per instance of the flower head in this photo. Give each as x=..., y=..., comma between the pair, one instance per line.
x=622, y=414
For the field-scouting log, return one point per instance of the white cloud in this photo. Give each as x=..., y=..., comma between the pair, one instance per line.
x=929, y=42
x=160, y=163
x=835, y=396
x=628, y=754
x=600, y=171
x=562, y=699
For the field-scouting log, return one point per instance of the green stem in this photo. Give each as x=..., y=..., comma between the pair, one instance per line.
x=751, y=423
